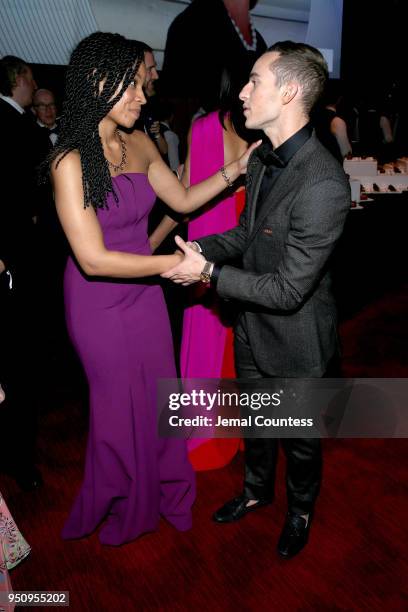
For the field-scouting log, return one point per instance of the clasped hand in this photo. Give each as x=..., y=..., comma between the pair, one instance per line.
x=189, y=269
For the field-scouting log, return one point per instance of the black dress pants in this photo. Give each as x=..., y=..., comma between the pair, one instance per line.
x=303, y=456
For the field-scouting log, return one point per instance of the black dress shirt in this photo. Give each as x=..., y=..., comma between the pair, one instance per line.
x=277, y=159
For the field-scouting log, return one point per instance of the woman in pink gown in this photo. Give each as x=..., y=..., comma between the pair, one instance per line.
x=207, y=339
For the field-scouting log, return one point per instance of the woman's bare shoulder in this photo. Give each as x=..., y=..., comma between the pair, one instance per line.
x=67, y=162
x=142, y=150
x=137, y=139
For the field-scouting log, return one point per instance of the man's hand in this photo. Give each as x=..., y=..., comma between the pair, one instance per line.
x=189, y=270
x=160, y=140
x=2, y=266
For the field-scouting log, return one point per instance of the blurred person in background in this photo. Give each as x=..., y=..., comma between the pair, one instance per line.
x=19, y=273
x=331, y=129
x=45, y=110
x=203, y=39
x=207, y=338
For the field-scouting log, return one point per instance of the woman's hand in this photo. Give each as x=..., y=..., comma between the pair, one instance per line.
x=243, y=160
x=175, y=259
x=187, y=271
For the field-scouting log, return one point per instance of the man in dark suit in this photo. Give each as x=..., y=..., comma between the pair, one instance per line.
x=18, y=272
x=297, y=201
x=53, y=248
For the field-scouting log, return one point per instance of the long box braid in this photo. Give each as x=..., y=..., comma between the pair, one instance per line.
x=98, y=65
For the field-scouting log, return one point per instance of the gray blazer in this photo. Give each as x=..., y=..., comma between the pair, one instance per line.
x=284, y=286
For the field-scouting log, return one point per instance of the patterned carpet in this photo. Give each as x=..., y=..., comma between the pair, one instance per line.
x=355, y=560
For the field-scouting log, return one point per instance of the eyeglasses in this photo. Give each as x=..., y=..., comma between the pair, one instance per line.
x=43, y=107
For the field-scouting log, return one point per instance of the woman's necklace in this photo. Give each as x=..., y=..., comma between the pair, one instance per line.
x=123, y=161
x=247, y=46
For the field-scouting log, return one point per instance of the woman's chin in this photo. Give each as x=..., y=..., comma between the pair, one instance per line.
x=132, y=117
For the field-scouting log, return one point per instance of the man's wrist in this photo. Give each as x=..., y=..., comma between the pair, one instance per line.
x=205, y=276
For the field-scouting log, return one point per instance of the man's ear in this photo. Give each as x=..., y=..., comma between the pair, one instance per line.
x=289, y=91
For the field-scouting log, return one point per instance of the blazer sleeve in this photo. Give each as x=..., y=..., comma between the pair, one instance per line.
x=317, y=222
x=220, y=248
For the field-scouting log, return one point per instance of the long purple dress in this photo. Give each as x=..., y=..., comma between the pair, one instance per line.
x=122, y=335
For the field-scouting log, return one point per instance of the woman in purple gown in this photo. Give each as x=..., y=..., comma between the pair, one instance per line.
x=105, y=183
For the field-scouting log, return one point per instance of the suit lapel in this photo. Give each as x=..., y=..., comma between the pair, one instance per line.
x=282, y=186
x=253, y=185
x=279, y=190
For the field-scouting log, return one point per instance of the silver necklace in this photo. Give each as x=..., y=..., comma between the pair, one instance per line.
x=247, y=46
x=123, y=161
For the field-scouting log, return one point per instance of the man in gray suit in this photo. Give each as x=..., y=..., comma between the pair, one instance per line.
x=297, y=201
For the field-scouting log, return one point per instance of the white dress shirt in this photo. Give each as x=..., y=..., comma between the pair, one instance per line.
x=13, y=103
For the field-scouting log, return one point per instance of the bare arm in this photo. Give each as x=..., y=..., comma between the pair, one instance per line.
x=186, y=200
x=167, y=224
x=386, y=129
x=338, y=128
x=84, y=233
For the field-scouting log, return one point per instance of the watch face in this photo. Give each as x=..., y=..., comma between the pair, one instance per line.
x=205, y=275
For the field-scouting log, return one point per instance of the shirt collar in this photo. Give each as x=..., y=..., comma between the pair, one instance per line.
x=281, y=156
x=13, y=103
x=46, y=126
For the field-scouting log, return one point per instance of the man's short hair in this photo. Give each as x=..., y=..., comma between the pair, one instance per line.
x=40, y=91
x=303, y=64
x=10, y=68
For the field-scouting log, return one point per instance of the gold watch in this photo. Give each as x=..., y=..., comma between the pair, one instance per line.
x=205, y=275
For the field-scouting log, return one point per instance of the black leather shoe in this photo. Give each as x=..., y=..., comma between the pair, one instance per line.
x=294, y=535
x=236, y=508
x=29, y=480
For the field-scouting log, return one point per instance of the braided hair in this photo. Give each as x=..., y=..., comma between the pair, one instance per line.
x=98, y=66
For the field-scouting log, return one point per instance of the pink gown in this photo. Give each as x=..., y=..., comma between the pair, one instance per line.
x=206, y=348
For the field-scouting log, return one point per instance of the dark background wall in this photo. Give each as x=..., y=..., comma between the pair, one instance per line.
x=374, y=48
x=375, y=40
x=50, y=76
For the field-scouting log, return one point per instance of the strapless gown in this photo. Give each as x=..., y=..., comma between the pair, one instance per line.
x=121, y=332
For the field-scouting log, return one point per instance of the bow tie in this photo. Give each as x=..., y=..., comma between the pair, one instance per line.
x=53, y=130
x=268, y=156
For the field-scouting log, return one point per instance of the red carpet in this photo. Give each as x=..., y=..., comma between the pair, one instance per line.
x=356, y=558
